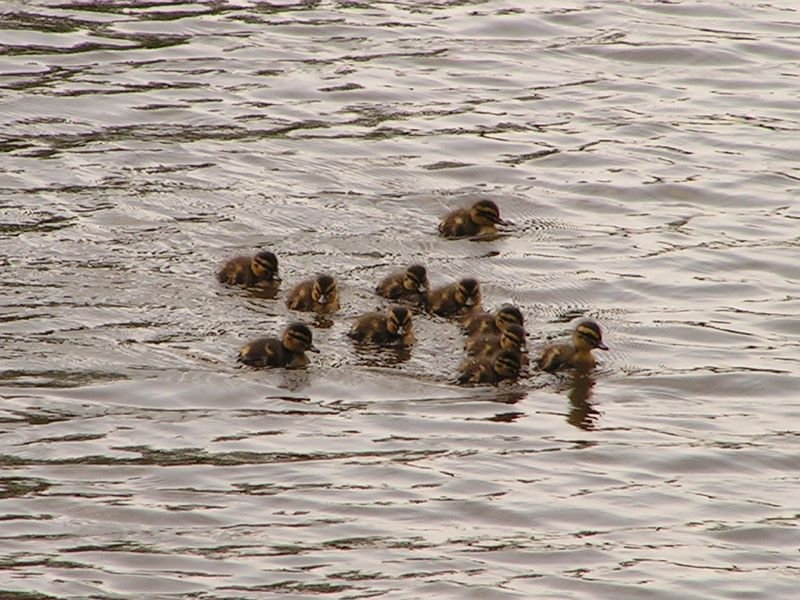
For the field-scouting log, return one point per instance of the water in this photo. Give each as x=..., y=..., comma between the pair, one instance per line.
x=646, y=153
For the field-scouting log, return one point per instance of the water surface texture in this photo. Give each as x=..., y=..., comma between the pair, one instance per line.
x=647, y=155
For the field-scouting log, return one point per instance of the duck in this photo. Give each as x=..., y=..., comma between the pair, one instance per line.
x=410, y=285
x=249, y=271
x=287, y=351
x=478, y=220
x=505, y=364
x=392, y=327
x=454, y=299
x=512, y=338
x=320, y=294
x=576, y=354
x=481, y=323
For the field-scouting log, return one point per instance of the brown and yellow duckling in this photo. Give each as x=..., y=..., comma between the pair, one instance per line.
x=261, y=269
x=287, y=351
x=454, y=299
x=505, y=364
x=512, y=338
x=410, y=285
x=392, y=327
x=479, y=219
x=315, y=295
x=576, y=354
x=479, y=323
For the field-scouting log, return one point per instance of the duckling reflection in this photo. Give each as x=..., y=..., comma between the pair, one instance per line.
x=410, y=285
x=480, y=322
x=576, y=354
x=392, y=327
x=249, y=271
x=582, y=414
x=455, y=299
x=319, y=295
x=512, y=338
x=480, y=219
x=287, y=351
x=494, y=369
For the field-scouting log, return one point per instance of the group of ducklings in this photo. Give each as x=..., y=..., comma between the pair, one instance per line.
x=495, y=344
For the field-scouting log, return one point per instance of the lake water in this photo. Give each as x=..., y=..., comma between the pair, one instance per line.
x=647, y=155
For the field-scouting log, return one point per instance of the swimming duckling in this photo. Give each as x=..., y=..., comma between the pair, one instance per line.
x=287, y=351
x=512, y=338
x=455, y=298
x=478, y=323
x=576, y=354
x=315, y=295
x=410, y=285
x=503, y=365
x=478, y=219
x=392, y=327
x=261, y=269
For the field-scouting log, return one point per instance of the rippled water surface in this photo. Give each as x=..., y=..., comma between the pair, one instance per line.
x=647, y=155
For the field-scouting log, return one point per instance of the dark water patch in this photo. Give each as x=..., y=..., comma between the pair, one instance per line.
x=55, y=378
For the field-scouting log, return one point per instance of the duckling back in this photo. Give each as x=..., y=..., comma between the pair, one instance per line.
x=576, y=354
x=392, y=327
x=479, y=219
x=410, y=285
x=249, y=271
x=315, y=295
x=506, y=364
x=455, y=299
x=264, y=352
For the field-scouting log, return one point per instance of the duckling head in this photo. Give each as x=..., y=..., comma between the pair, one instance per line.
x=513, y=338
x=398, y=320
x=507, y=364
x=297, y=338
x=485, y=212
x=325, y=290
x=265, y=266
x=588, y=336
x=468, y=292
x=508, y=315
x=416, y=279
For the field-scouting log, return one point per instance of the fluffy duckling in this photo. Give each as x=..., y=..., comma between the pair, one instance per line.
x=286, y=351
x=512, y=338
x=392, y=327
x=478, y=219
x=506, y=364
x=479, y=323
x=315, y=295
x=576, y=354
x=261, y=269
x=410, y=285
x=455, y=298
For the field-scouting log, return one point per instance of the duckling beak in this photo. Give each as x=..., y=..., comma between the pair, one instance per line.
x=313, y=348
x=601, y=346
x=323, y=299
x=276, y=277
x=500, y=221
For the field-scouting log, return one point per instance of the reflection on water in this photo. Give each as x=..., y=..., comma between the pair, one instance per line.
x=650, y=187
x=579, y=391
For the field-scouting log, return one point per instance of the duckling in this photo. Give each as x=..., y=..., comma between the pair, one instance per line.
x=410, y=285
x=455, y=298
x=576, y=354
x=315, y=295
x=478, y=323
x=512, y=338
x=506, y=364
x=286, y=351
x=478, y=219
x=392, y=327
x=261, y=269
